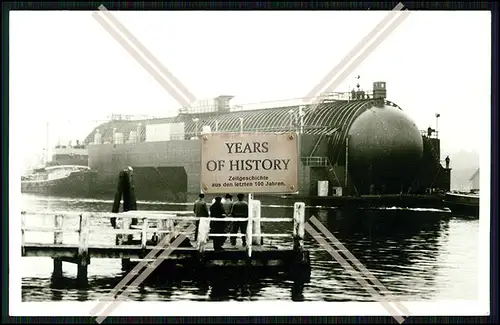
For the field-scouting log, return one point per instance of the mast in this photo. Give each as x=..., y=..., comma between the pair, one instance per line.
x=47, y=142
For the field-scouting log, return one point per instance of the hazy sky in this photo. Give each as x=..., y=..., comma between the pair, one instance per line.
x=65, y=68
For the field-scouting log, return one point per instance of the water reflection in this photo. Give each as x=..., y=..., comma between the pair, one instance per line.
x=201, y=288
x=401, y=250
x=416, y=255
x=57, y=294
x=216, y=285
x=62, y=289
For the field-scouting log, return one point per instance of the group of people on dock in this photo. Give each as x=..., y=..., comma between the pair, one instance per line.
x=223, y=208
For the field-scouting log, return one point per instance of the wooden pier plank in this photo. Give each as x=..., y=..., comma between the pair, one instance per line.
x=227, y=257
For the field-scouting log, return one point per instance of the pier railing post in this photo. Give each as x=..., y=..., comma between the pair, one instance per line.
x=125, y=239
x=164, y=225
x=58, y=239
x=144, y=234
x=256, y=213
x=170, y=227
x=83, y=247
x=203, y=230
x=299, y=209
x=126, y=224
x=58, y=224
x=249, y=233
x=118, y=224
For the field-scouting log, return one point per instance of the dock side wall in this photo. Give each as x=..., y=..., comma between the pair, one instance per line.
x=109, y=159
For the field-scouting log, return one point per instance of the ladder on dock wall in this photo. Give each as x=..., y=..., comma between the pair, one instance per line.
x=162, y=225
x=436, y=158
x=433, y=150
x=320, y=161
x=316, y=145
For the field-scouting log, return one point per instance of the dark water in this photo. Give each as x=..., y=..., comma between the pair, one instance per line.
x=416, y=255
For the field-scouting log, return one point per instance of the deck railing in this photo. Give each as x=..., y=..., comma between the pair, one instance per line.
x=315, y=161
x=163, y=222
x=434, y=134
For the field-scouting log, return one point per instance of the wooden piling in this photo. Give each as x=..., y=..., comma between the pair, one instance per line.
x=83, y=255
x=256, y=213
x=129, y=200
x=118, y=197
x=299, y=209
x=126, y=189
x=58, y=239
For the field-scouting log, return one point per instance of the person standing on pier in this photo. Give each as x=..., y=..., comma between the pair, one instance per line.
x=447, y=161
x=430, y=131
x=200, y=210
x=222, y=201
x=228, y=205
x=239, y=210
x=217, y=211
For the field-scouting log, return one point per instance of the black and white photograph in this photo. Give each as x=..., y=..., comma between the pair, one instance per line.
x=301, y=162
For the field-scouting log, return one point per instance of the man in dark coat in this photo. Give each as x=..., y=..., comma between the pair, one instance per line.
x=447, y=161
x=239, y=210
x=217, y=227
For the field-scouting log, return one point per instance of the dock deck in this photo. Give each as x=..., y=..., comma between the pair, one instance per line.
x=230, y=255
x=164, y=236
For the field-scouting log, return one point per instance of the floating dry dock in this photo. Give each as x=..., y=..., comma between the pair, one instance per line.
x=161, y=237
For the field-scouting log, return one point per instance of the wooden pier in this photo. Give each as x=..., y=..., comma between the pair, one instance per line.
x=139, y=233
